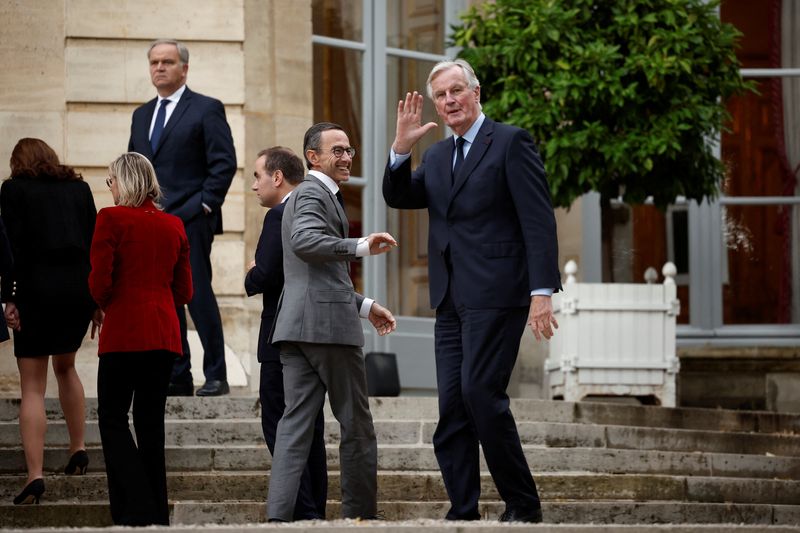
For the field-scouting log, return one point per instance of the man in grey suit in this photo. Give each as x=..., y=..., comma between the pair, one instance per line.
x=320, y=333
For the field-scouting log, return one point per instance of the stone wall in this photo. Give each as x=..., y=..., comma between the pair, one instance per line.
x=74, y=71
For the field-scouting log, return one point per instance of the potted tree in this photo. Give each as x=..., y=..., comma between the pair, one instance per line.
x=625, y=98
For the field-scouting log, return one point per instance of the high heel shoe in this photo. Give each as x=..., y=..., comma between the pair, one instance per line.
x=31, y=493
x=78, y=464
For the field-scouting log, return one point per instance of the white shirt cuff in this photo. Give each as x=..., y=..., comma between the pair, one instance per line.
x=542, y=292
x=362, y=248
x=395, y=159
x=366, y=305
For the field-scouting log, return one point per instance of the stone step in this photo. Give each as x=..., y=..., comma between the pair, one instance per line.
x=96, y=514
x=425, y=408
x=396, y=432
x=428, y=486
x=442, y=526
x=421, y=458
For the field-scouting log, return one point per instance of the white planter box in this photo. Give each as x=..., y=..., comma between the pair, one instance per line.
x=614, y=339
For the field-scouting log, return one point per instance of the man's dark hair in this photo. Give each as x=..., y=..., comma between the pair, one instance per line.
x=285, y=160
x=313, y=137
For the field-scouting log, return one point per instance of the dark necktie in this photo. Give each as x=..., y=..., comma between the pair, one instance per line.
x=158, y=127
x=340, y=198
x=459, y=156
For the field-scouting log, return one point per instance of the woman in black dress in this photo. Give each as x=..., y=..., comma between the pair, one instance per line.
x=49, y=213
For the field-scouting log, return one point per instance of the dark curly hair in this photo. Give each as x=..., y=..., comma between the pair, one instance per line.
x=33, y=158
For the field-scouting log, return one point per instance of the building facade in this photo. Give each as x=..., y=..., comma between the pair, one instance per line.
x=74, y=70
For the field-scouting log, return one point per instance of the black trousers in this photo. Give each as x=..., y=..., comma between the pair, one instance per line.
x=136, y=471
x=203, y=307
x=476, y=350
x=313, y=492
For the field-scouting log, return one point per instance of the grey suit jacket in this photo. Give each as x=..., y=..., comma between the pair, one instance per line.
x=319, y=303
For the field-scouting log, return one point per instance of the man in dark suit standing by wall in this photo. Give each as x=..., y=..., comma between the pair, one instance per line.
x=277, y=172
x=320, y=333
x=492, y=254
x=187, y=138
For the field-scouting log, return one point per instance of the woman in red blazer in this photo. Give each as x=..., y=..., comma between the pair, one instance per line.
x=140, y=272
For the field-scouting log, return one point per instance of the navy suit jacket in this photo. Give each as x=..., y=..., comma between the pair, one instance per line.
x=267, y=278
x=495, y=217
x=195, y=160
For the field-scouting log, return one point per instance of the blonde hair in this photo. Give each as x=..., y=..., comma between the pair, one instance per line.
x=136, y=180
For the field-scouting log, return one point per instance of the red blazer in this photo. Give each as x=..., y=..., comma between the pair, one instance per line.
x=140, y=272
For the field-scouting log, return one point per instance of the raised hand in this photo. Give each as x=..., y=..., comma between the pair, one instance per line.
x=380, y=243
x=409, y=123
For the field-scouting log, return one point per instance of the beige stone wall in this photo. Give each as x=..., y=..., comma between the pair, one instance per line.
x=74, y=70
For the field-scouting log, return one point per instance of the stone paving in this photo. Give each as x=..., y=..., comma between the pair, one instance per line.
x=599, y=467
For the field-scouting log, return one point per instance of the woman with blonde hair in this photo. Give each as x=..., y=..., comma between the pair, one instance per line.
x=49, y=213
x=140, y=272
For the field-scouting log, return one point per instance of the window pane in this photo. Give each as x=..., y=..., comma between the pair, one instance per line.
x=408, y=266
x=337, y=18
x=416, y=25
x=337, y=93
x=636, y=238
x=762, y=150
x=760, y=266
x=755, y=148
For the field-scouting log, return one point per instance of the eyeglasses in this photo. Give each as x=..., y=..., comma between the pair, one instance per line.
x=109, y=181
x=338, y=151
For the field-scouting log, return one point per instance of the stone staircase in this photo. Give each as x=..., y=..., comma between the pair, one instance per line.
x=599, y=467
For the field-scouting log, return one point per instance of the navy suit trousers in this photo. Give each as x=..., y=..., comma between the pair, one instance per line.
x=476, y=350
x=203, y=307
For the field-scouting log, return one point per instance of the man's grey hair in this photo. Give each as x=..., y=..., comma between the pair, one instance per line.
x=466, y=68
x=183, y=52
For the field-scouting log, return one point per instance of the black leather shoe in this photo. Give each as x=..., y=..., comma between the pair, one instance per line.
x=380, y=516
x=31, y=493
x=516, y=514
x=78, y=464
x=277, y=521
x=213, y=387
x=180, y=389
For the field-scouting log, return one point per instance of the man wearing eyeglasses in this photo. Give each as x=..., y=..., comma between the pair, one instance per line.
x=320, y=334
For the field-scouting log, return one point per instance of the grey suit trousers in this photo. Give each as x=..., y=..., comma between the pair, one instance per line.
x=309, y=370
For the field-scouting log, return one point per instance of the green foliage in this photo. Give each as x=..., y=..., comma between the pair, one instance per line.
x=620, y=95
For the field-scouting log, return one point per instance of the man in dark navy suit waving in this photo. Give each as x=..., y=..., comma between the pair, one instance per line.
x=187, y=138
x=493, y=265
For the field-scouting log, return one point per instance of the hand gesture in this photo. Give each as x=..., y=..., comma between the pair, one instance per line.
x=380, y=243
x=12, y=316
x=409, y=123
x=382, y=319
x=97, y=321
x=540, y=317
